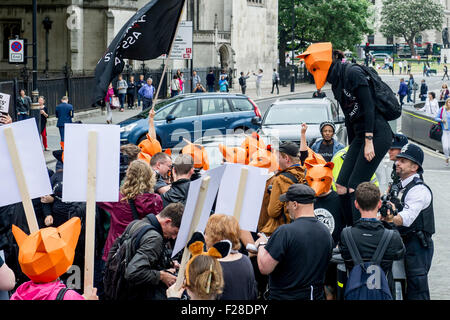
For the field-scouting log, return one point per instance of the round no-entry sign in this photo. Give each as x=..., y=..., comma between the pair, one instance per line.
x=16, y=46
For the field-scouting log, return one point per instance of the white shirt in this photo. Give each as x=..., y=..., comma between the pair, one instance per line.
x=431, y=107
x=417, y=199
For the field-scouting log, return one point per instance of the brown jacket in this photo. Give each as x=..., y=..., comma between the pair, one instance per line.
x=273, y=211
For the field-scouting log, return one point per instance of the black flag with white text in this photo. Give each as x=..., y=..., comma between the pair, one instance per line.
x=147, y=35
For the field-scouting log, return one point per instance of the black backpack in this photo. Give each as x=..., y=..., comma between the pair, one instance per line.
x=367, y=280
x=385, y=99
x=115, y=285
x=241, y=81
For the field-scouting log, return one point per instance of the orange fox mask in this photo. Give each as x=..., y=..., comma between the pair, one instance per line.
x=48, y=253
x=150, y=146
x=319, y=176
x=252, y=144
x=264, y=159
x=233, y=154
x=198, y=153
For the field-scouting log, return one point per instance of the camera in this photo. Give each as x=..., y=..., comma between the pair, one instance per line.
x=392, y=196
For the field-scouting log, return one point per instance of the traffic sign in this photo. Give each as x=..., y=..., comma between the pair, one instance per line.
x=182, y=44
x=16, y=51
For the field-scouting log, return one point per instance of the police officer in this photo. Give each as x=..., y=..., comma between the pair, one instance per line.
x=415, y=221
x=398, y=141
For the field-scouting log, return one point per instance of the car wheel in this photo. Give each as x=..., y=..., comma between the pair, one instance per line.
x=239, y=130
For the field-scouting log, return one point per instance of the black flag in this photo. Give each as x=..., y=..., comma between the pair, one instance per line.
x=147, y=35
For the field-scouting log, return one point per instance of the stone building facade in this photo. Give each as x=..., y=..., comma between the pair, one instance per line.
x=240, y=35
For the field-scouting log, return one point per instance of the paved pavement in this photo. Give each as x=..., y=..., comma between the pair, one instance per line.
x=437, y=175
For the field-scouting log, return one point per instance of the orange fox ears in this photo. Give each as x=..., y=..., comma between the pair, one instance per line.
x=19, y=235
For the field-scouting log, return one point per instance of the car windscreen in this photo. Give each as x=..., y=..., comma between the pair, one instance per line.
x=295, y=114
x=159, y=105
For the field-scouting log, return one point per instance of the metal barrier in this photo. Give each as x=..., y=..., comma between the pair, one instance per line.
x=416, y=126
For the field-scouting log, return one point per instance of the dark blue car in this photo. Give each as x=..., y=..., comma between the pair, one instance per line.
x=192, y=116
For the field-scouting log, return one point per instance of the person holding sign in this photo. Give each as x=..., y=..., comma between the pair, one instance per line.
x=44, y=256
x=297, y=254
x=5, y=119
x=135, y=192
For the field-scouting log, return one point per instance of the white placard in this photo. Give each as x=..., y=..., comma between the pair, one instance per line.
x=253, y=195
x=32, y=160
x=76, y=162
x=188, y=215
x=4, y=102
x=194, y=188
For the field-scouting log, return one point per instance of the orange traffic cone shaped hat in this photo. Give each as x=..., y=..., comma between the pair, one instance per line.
x=318, y=58
x=48, y=253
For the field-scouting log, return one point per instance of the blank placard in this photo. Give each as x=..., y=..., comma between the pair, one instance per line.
x=28, y=144
x=76, y=162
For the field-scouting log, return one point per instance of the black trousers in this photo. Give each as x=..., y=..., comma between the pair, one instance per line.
x=130, y=100
x=356, y=168
x=417, y=265
x=275, y=83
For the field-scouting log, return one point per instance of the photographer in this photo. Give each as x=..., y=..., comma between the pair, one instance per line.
x=415, y=221
x=182, y=171
x=368, y=231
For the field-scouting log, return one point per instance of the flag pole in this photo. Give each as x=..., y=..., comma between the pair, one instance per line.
x=155, y=98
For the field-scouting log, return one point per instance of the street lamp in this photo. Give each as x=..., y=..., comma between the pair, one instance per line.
x=47, y=26
x=35, y=110
x=292, y=44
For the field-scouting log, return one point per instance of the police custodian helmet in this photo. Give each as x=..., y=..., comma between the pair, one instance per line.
x=414, y=153
x=398, y=141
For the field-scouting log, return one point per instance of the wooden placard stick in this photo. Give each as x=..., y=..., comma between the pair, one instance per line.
x=90, y=211
x=21, y=182
x=195, y=220
x=240, y=194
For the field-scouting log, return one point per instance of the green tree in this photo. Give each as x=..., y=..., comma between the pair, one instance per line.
x=408, y=19
x=341, y=22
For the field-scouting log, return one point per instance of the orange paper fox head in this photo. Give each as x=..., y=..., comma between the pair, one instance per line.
x=48, y=253
x=319, y=176
x=233, y=154
x=264, y=159
x=198, y=153
x=150, y=146
x=252, y=144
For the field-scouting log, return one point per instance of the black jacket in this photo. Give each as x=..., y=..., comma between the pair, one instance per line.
x=367, y=235
x=177, y=193
x=23, y=106
x=143, y=270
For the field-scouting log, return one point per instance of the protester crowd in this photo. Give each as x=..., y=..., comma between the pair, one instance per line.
x=308, y=212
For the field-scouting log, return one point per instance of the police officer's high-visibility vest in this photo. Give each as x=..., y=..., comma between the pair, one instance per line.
x=338, y=160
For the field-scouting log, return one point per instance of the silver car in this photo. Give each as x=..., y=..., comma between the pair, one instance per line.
x=283, y=119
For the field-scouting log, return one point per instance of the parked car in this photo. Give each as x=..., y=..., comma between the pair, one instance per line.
x=283, y=119
x=194, y=115
x=379, y=56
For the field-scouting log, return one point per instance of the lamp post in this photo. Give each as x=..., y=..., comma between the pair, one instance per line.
x=35, y=110
x=47, y=26
x=292, y=44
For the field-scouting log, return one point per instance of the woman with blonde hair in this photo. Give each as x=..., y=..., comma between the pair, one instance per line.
x=443, y=116
x=238, y=273
x=136, y=200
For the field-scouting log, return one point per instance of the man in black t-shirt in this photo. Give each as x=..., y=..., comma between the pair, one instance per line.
x=296, y=256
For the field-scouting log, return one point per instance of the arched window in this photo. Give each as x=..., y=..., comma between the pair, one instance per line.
x=9, y=30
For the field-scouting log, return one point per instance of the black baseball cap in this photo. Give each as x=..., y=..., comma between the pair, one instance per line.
x=289, y=148
x=300, y=193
